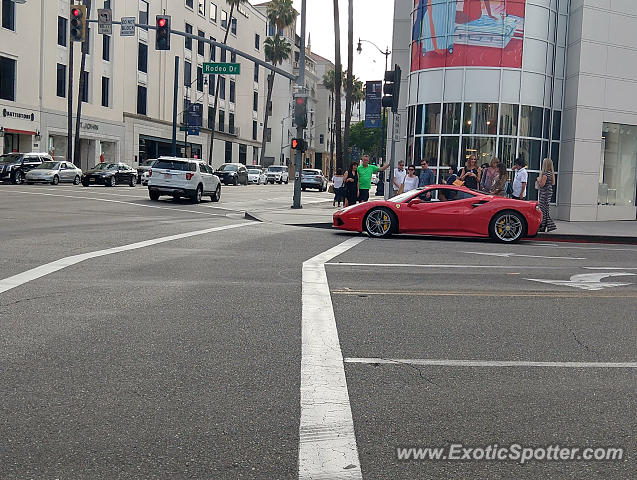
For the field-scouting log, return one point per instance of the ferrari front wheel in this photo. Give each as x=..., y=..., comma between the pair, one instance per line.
x=380, y=223
x=507, y=227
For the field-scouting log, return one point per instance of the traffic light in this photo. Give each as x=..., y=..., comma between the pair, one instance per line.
x=299, y=144
x=392, y=89
x=300, y=111
x=162, y=34
x=78, y=23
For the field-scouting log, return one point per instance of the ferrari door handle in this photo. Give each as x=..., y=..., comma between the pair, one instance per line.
x=478, y=204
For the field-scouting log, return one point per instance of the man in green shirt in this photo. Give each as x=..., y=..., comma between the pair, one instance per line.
x=365, y=172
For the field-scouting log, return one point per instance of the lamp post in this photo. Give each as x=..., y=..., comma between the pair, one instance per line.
x=387, y=53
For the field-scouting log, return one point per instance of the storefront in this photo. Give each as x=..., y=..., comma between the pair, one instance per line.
x=19, y=129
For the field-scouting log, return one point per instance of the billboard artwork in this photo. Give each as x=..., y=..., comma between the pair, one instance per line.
x=467, y=33
x=373, y=99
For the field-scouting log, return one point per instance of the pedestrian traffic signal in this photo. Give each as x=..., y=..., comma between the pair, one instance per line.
x=391, y=89
x=300, y=111
x=162, y=34
x=299, y=144
x=78, y=23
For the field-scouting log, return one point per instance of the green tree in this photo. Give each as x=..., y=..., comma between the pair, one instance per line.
x=367, y=140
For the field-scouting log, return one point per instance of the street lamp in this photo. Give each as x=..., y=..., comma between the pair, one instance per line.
x=387, y=53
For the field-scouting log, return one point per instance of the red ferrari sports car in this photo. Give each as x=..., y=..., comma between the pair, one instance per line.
x=444, y=210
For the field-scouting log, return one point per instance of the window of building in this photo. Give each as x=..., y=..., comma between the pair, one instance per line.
x=142, y=58
x=222, y=88
x=426, y=147
x=222, y=120
x=7, y=78
x=61, y=80
x=189, y=3
x=224, y=19
x=531, y=121
x=480, y=118
x=228, y=152
x=211, y=117
x=200, y=79
x=213, y=12
x=211, y=84
x=618, y=168
x=428, y=119
x=233, y=25
x=85, y=86
x=449, y=151
x=509, y=119
x=231, y=123
x=271, y=29
x=213, y=50
x=255, y=127
x=233, y=57
x=187, y=74
x=224, y=54
x=201, y=46
x=143, y=13
x=451, y=118
x=257, y=41
x=233, y=93
x=531, y=152
x=243, y=153
x=482, y=147
x=506, y=151
x=256, y=72
x=321, y=139
x=557, y=125
x=62, y=36
x=201, y=9
x=106, y=48
x=255, y=101
x=188, y=41
x=105, y=91
x=8, y=14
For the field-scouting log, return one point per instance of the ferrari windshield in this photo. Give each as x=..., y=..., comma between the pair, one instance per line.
x=404, y=196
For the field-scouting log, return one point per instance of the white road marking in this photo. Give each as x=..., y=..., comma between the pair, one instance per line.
x=327, y=443
x=491, y=363
x=610, y=268
x=588, y=281
x=508, y=255
x=417, y=265
x=48, y=268
x=544, y=245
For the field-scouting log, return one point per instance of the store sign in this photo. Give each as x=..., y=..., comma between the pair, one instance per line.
x=18, y=115
x=89, y=126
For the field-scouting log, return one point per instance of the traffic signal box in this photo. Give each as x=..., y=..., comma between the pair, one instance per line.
x=300, y=111
x=162, y=34
x=391, y=89
x=78, y=23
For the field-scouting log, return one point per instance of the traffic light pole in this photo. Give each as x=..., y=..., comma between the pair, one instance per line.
x=299, y=129
x=175, y=95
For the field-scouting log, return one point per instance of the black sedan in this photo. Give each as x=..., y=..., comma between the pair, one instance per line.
x=110, y=174
x=232, y=174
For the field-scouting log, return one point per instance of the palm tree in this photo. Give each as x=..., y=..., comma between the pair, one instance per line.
x=338, y=81
x=358, y=93
x=280, y=13
x=329, y=82
x=233, y=4
x=277, y=49
x=76, y=144
x=350, y=77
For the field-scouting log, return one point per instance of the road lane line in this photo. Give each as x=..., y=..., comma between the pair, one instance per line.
x=416, y=265
x=48, y=268
x=412, y=293
x=490, y=363
x=508, y=255
x=327, y=443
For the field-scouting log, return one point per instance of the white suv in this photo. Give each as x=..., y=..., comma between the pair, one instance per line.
x=277, y=173
x=183, y=177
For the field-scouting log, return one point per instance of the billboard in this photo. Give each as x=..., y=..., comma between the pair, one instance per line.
x=467, y=33
x=373, y=99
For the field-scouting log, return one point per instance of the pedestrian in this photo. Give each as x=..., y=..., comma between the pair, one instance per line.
x=337, y=180
x=426, y=176
x=498, y=186
x=489, y=174
x=470, y=174
x=453, y=175
x=365, y=172
x=520, y=180
x=411, y=180
x=399, y=175
x=545, y=183
x=350, y=181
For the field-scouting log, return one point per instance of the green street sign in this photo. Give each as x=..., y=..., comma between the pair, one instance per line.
x=221, y=68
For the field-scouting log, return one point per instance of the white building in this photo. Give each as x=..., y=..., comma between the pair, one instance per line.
x=539, y=78
x=128, y=109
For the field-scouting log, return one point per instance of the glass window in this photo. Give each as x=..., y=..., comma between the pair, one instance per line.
x=189, y=3
x=211, y=117
x=428, y=118
x=618, y=169
x=451, y=118
x=481, y=118
x=426, y=148
x=233, y=91
x=531, y=122
x=105, y=91
x=531, y=152
x=228, y=156
x=547, y=123
x=85, y=85
x=531, y=191
x=254, y=130
x=201, y=9
x=233, y=25
x=222, y=88
x=200, y=79
x=557, y=125
x=8, y=14
x=106, y=48
x=256, y=72
x=411, y=113
x=449, y=151
x=257, y=41
x=143, y=13
x=211, y=84
x=61, y=80
x=224, y=54
x=187, y=74
x=233, y=57
x=62, y=31
x=555, y=155
x=255, y=101
x=507, y=151
x=222, y=120
x=7, y=78
x=201, y=46
x=141, y=100
x=231, y=123
x=142, y=58
x=213, y=12
x=224, y=19
x=188, y=41
x=509, y=119
x=213, y=50
x=482, y=147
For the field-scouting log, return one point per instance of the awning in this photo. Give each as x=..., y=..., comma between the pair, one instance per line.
x=21, y=132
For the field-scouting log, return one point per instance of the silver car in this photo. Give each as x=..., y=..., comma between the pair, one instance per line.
x=54, y=173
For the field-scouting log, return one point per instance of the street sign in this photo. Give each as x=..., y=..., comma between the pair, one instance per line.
x=193, y=131
x=195, y=115
x=183, y=129
x=396, y=127
x=221, y=68
x=127, y=27
x=373, y=98
x=104, y=19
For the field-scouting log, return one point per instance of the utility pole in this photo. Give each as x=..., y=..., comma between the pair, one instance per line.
x=299, y=128
x=175, y=94
x=69, y=100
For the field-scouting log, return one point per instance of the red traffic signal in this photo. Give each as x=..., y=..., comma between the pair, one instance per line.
x=300, y=111
x=161, y=22
x=77, y=29
x=76, y=12
x=299, y=144
x=162, y=33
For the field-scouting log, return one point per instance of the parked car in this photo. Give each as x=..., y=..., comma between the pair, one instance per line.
x=256, y=175
x=313, y=178
x=183, y=177
x=145, y=177
x=14, y=166
x=144, y=167
x=444, y=210
x=110, y=174
x=54, y=172
x=278, y=174
x=232, y=173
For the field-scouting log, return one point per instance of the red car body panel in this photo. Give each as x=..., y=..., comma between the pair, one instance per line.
x=464, y=217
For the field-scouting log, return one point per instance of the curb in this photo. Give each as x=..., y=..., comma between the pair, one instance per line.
x=579, y=238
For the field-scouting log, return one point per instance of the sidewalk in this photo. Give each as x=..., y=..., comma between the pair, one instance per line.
x=319, y=215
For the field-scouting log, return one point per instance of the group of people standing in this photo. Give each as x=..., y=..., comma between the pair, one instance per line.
x=354, y=185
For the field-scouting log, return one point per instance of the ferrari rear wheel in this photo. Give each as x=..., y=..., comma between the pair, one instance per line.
x=507, y=227
x=380, y=223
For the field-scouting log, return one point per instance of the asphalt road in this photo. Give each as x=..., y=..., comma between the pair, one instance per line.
x=182, y=357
